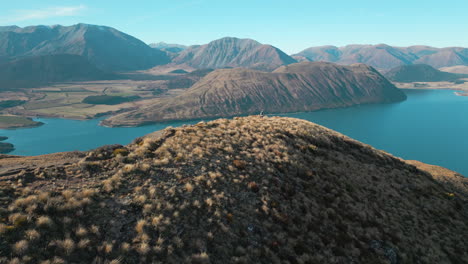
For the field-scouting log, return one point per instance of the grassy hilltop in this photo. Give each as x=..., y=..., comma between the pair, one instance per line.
x=247, y=190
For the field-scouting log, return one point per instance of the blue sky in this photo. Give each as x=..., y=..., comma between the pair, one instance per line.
x=291, y=25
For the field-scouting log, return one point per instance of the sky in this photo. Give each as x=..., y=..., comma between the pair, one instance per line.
x=291, y=25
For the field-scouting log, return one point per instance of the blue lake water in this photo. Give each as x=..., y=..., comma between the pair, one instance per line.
x=431, y=126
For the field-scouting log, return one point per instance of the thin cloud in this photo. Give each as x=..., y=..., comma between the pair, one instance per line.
x=49, y=12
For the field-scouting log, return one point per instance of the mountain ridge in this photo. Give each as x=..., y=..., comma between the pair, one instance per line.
x=106, y=47
x=38, y=71
x=305, y=86
x=383, y=56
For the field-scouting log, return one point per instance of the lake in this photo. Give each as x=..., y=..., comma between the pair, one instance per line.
x=431, y=126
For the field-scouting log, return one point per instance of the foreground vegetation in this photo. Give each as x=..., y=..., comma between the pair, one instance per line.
x=248, y=190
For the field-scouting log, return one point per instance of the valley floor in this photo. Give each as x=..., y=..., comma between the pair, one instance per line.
x=67, y=100
x=436, y=85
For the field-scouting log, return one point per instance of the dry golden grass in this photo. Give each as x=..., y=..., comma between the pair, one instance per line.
x=247, y=190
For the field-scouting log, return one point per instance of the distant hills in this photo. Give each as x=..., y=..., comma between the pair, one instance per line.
x=386, y=57
x=302, y=86
x=42, y=70
x=420, y=73
x=172, y=48
x=234, y=52
x=101, y=49
x=105, y=47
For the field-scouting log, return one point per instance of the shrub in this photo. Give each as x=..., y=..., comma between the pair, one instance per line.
x=143, y=248
x=201, y=258
x=67, y=245
x=18, y=220
x=140, y=226
x=240, y=164
x=5, y=228
x=21, y=246
x=253, y=186
x=32, y=234
x=121, y=151
x=188, y=187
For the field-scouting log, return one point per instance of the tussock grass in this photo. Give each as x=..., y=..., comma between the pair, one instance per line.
x=246, y=190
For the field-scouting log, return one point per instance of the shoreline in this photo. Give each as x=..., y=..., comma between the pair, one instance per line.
x=103, y=116
x=464, y=93
x=457, y=92
x=15, y=127
x=459, y=89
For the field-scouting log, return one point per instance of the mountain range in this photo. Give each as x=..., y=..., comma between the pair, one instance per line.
x=105, y=47
x=385, y=57
x=112, y=50
x=304, y=86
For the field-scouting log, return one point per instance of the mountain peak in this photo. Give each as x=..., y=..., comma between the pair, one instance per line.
x=234, y=52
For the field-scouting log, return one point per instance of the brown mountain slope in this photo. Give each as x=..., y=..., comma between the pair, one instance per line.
x=304, y=86
x=105, y=47
x=444, y=58
x=322, y=53
x=420, y=73
x=379, y=56
x=248, y=190
x=455, y=180
x=234, y=52
x=43, y=70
